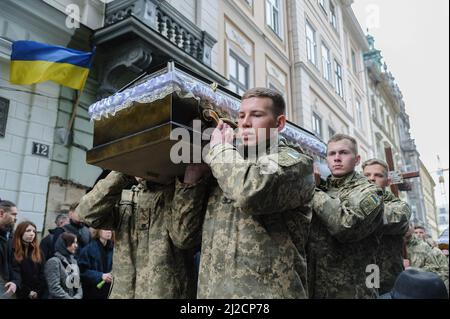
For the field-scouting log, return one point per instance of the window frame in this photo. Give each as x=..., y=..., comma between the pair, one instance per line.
x=273, y=6
x=359, y=113
x=317, y=120
x=313, y=45
x=328, y=66
x=235, y=81
x=339, y=79
x=333, y=16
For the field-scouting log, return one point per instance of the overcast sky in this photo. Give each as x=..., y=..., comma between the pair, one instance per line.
x=413, y=36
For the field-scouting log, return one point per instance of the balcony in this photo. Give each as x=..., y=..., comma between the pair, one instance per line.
x=142, y=34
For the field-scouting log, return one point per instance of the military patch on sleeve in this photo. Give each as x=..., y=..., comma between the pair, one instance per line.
x=370, y=203
x=288, y=157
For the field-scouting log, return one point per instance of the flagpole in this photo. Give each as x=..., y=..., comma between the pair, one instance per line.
x=73, y=115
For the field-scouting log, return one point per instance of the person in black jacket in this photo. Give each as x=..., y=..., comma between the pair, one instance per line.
x=28, y=262
x=48, y=242
x=78, y=228
x=95, y=264
x=8, y=279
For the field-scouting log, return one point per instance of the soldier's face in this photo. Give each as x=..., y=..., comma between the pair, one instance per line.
x=420, y=233
x=376, y=174
x=341, y=158
x=257, y=120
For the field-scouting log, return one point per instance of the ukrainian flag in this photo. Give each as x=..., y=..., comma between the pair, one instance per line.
x=34, y=62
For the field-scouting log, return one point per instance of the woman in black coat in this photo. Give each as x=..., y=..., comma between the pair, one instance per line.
x=28, y=262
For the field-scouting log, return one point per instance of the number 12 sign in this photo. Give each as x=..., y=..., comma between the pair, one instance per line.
x=40, y=149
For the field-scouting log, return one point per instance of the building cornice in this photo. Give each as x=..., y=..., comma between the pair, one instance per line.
x=353, y=25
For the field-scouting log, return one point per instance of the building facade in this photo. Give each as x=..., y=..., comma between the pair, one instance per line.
x=34, y=159
x=328, y=71
x=431, y=212
x=42, y=155
x=385, y=103
x=312, y=51
x=411, y=163
x=254, y=46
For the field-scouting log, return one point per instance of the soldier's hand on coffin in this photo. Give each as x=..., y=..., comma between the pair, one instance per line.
x=194, y=172
x=222, y=134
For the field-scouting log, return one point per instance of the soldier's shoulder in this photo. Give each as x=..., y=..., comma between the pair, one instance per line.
x=369, y=196
x=289, y=156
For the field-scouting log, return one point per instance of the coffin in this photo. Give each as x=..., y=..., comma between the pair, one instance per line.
x=132, y=128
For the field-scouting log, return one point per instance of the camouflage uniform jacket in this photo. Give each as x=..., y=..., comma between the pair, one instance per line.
x=255, y=225
x=146, y=264
x=421, y=255
x=443, y=264
x=390, y=252
x=343, y=241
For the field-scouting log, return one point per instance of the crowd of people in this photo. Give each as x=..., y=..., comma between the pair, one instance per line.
x=230, y=229
x=71, y=262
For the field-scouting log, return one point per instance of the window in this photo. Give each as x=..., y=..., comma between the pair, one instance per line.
x=331, y=132
x=359, y=114
x=311, y=45
x=333, y=17
x=339, y=83
x=239, y=74
x=317, y=125
x=354, y=61
x=273, y=16
x=326, y=63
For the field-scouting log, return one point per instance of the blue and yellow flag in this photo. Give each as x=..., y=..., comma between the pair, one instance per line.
x=34, y=62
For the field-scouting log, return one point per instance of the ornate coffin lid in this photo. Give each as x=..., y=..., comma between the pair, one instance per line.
x=174, y=80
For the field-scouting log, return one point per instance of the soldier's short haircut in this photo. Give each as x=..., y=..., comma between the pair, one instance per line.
x=279, y=105
x=376, y=161
x=73, y=207
x=419, y=227
x=6, y=205
x=340, y=137
x=60, y=217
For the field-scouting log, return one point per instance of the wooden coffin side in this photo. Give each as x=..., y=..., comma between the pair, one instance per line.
x=136, y=141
